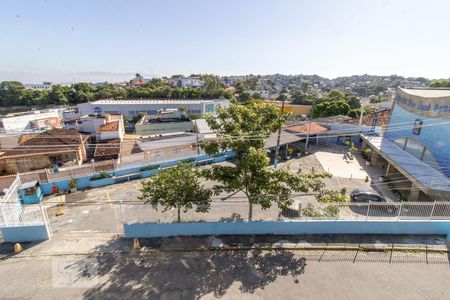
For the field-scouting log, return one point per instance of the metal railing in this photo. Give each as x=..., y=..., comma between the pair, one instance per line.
x=238, y=211
x=125, y=162
x=16, y=214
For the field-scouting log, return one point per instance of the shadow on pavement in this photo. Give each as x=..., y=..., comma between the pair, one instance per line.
x=184, y=275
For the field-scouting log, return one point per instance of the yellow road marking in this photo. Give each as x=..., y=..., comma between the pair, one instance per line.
x=108, y=197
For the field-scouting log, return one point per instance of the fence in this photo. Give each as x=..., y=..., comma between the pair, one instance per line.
x=16, y=214
x=126, y=162
x=235, y=211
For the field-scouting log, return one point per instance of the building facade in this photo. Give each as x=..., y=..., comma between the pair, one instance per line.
x=131, y=108
x=420, y=125
x=414, y=151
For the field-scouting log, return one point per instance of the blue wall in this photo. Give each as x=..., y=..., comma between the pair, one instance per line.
x=148, y=230
x=29, y=233
x=86, y=182
x=435, y=137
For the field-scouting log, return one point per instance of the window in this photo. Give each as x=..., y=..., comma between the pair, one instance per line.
x=30, y=191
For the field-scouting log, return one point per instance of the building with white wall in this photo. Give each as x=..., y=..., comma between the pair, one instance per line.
x=29, y=121
x=45, y=86
x=131, y=108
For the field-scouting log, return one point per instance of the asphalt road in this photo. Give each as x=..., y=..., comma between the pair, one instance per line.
x=223, y=275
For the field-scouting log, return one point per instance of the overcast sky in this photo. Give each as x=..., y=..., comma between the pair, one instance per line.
x=95, y=40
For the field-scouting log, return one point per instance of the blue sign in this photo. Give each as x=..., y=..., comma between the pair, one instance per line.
x=97, y=110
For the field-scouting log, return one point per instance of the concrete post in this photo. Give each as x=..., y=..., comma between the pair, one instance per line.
x=374, y=159
x=414, y=194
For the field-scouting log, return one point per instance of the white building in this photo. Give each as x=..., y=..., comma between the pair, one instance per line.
x=39, y=86
x=264, y=94
x=27, y=121
x=187, y=82
x=103, y=127
x=131, y=108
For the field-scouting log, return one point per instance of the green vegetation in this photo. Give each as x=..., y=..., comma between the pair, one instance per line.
x=73, y=183
x=335, y=102
x=331, y=197
x=178, y=188
x=440, y=84
x=251, y=172
x=101, y=175
x=330, y=211
x=14, y=93
x=149, y=168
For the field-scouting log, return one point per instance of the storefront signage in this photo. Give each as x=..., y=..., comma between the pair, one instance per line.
x=429, y=107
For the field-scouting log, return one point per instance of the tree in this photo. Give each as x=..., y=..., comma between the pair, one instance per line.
x=177, y=187
x=11, y=93
x=440, y=83
x=58, y=95
x=244, y=129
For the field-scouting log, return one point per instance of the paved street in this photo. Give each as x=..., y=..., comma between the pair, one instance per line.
x=108, y=268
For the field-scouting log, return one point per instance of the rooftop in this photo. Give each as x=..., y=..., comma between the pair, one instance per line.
x=154, y=101
x=107, y=148
x=424, y=174
x=427, y=92
x=311, y=127
x=55, y=140
x=111, y=126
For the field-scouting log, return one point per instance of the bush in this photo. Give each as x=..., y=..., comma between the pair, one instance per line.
x=310, y=211
x=149, y=168
x=331, y=197
x=73, y=183
x=189, y=160
x=101, y=175
x=330, y=211
x=289, y=151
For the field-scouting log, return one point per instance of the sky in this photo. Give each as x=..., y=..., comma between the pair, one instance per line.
x=98, y=40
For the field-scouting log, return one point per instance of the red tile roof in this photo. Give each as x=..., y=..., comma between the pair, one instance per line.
x=55, y=140
x=311, y=127
x=108, y=148
x=112, y=126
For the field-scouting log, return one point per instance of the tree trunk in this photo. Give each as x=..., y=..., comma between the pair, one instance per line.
x=250, y=211
x=179, y=214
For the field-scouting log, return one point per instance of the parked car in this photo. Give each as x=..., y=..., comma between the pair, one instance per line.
x=358, y=195
x=372, y=204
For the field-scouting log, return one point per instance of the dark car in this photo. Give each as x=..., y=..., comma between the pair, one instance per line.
x=372, y=204
x=365, y=196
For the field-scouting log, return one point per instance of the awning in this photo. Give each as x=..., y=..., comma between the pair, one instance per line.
x=425, y=175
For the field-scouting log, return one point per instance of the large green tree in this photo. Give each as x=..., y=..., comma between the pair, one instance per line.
x=11, y=93
x=177, y=187
x=245, y=129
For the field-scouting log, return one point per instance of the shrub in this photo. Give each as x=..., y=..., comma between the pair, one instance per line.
x=310, y=211
x=101, y=175
x=73, y=183
x=149, y=168
x=330, y=211
x=331, y=197
x=289, y=151
x=298, y=152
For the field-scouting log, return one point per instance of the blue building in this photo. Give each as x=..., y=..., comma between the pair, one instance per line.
x=415, y=146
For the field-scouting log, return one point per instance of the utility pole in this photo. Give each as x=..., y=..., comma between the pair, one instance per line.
x=361, y=116
x=277, y=149
x=307, y=136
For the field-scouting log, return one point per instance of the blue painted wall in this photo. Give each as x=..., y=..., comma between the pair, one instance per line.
x=86, y=182
x=148, y=230
x=29, y=233
x=435, y=137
